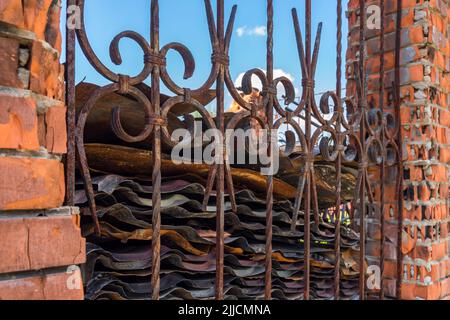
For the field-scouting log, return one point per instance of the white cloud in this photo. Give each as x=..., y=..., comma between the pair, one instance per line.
x=259, y=31
x=241, y=31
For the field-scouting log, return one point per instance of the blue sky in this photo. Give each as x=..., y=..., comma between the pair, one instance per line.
x=185, y=21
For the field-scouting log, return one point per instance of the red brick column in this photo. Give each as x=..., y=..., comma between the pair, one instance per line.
x=425, y=122
x=40, y=239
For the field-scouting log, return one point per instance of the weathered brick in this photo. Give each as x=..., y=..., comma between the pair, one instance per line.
x=47, y=286
x=52, y=31
x=445, y=288
x=40, y=243
x=18, y=123
x=9, y=60
x=432, y=292
x=56, y=131
x=46, y=73
x=36, y=16
x=30, y=183
x=39, y=16
x=11, y=12
x=424, y=120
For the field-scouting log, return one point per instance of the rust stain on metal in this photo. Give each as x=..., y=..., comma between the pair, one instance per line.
x=313, y=129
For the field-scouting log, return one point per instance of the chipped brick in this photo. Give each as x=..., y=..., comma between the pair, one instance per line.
x=30, y=183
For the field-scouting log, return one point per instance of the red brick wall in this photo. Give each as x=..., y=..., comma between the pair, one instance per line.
x=40, y=238
x=425, y=122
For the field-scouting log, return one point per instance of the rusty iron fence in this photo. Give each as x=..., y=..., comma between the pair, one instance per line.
x=368, y=135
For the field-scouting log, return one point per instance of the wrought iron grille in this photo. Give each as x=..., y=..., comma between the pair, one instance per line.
x=368, y=135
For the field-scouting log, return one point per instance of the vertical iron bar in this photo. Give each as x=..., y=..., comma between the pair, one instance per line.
x=71, y=112
x=308, y=137
x=398, y=40
x=337, y=239
x=383, y=162
x=362, y=194
x=269, y=112
x=220, y=96
x=307, y=235
x=339, y=49
x=156, y=156
x=308, y=33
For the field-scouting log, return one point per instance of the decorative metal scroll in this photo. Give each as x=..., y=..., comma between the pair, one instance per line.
x=368, y=136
